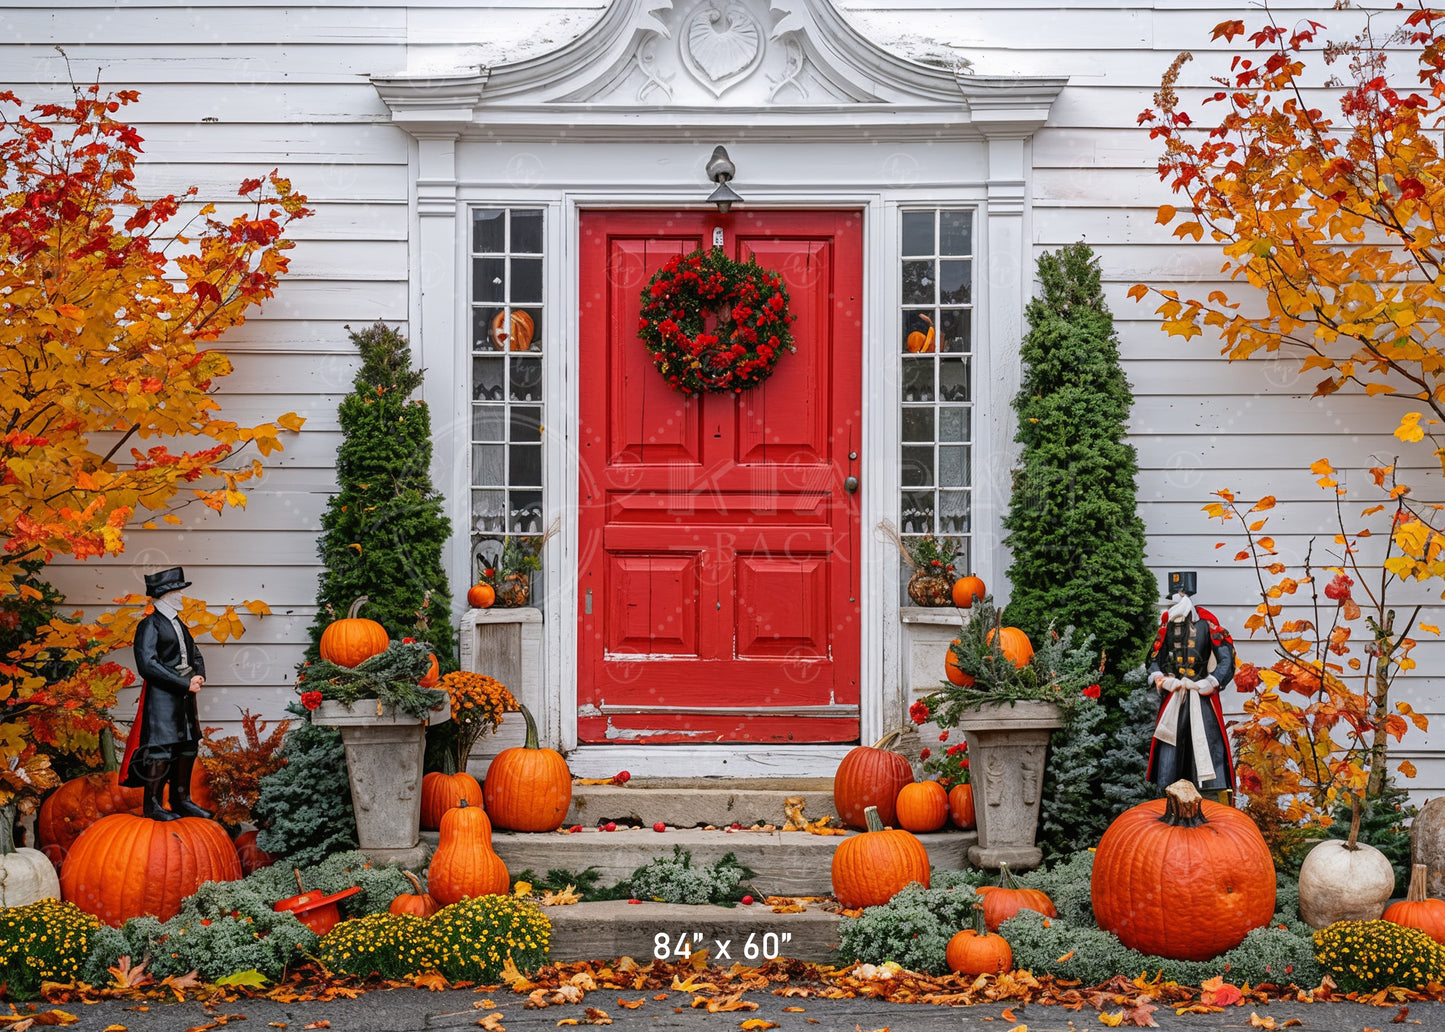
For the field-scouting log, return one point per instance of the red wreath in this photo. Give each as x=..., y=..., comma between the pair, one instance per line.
x=749, y=328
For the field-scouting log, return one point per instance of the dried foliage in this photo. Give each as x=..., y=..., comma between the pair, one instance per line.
x=234, y=768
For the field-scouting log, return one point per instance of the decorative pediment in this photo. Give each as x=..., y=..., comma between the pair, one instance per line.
x=769, y=65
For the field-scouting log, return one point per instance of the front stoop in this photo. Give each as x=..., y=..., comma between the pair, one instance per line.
x=785, y=863
x=747, y=935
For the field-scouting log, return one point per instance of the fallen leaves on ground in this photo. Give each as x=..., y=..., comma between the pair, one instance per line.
x=492, y=1022
x=21, y=1022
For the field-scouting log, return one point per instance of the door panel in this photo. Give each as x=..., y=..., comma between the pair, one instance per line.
x=716, y=540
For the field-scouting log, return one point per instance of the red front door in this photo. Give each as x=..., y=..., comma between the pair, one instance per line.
x=718, y=545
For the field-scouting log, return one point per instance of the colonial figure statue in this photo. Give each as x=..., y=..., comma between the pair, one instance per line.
x=166, y=734
x=1193, y=657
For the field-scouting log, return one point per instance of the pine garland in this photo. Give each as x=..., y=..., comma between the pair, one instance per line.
x=389, y=677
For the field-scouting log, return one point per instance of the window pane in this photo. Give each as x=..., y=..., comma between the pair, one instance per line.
x=952, y=423
x=918, y=424
x=917, y=512
x=956, y=233
x=955, y=282
x=487, y=462
x=957, y=329
x=917, y=468
x=488, y=230
x=953, y=379
x=488, y=422
x=526, y=281
x=526, y=379
x=488, y=279
x=915, y=332
x=525, y=516
x=526, y=468
x=918, y=283
x=527, y=232
x=488, y=508
x=952, y=467
x=918, y=379
x=526, y=424
x=918, y=233
x=487, y=378
x=953, y=515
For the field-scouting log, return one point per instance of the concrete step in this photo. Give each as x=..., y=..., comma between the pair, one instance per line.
x=791, y=863
x=669, y=931
x=698, y=802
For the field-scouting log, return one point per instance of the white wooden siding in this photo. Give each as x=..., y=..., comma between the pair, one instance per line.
x=288, y=87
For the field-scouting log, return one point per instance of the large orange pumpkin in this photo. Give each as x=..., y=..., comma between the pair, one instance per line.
x=1007, y=898
x=1182, y=877
x=922, y=806
x=960, y=806
x=966, y=589
x=870, y=776
x=1014, y=644
x=78, y=804
x=952, y=670
x=528, y=788
x=124, y=865
x=869, y=869
x=975, y=951
x=465, y=863
x=440, y=792
x=353, y=640
x=1417, y=909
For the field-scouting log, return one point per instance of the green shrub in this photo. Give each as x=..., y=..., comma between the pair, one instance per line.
x=304, y=808
x=674, y=880
x=215, y=947
x=393, y=946
x=912, y=929
x=471, y=940
x=379, y=883
x=46, y=941
x=1366, y=956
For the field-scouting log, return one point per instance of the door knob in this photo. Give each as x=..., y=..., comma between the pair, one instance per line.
x=850, y=484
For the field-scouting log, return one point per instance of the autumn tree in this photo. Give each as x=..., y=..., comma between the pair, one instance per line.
x=108, y=304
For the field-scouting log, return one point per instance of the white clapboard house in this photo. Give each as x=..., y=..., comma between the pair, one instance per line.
x=719, y=599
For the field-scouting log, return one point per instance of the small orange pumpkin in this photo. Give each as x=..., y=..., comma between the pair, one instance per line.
x=440, y=792
x=253, y=857
x=528, y=788
x=966, y=589
x=974, y=951
x=465, y=863
x=1007, y=898
x=481, y=596
x=521, y=329
x=418, y=904
x=353, y=640
x=919, y=342
x=960, y=806
x=870, y=868
x=952, y=670
x=1014, y=644
x=433, y=673
x=870, y=776
x=922, y=806
x=1417, y=909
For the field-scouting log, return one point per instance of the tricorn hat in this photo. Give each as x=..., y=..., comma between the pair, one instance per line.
x=174, y=579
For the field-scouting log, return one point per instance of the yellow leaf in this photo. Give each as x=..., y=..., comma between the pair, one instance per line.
x=1138, y=292
x=1372, y=389
x=1321, y=467
x=1407, y=768
x=1409, y=428
x=1258, y=525
x=290, y=421
x=522, y=888
x=1430, y=627
x=1166, y=214
x=1267, y=502
x=1112, y=1020
x=757, y=1023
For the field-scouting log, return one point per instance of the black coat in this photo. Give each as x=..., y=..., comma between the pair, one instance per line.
x=167, y=704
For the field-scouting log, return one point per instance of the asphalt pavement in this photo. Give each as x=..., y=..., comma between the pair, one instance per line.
x=404, y=1010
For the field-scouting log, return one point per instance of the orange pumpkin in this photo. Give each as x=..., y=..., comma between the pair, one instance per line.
x=78, y=804
x=952, y=670
x=465, y=863
x=418, y=904
x=440, y=792
x=870, y=868
x=975, y=951
x=1007, y=898
x=1417, y=909
x=960, y=806
x=919, y=342
x=433, y=673
x=253, y=857
x=481, y=596
x=1014, y=644
x=125, y=865
x=528, y=788
x=518, y=335
x=922, y=806
x=352, y=640
x=1182, y=877
x=966, y=589
x=870, y=776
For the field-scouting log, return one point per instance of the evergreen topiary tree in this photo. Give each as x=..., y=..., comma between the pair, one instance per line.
x=1078, y=544
x=304, y=811
x=384, y=531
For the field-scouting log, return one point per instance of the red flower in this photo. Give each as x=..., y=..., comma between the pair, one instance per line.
x=408, y=641
x=943, y=737
x=919, y=712
x=924, y=754
x=311, y=699
x=1092, y=691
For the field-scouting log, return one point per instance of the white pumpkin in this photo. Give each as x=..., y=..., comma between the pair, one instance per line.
x=27, y=875
x=1337, y=883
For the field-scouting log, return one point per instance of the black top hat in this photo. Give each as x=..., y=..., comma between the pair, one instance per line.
x=174, y=579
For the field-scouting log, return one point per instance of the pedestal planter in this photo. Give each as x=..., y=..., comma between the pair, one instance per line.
x=385, y=750
x=1007, y=746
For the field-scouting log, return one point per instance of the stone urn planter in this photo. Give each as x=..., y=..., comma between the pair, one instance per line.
x=1007, y=746
x=385, y=749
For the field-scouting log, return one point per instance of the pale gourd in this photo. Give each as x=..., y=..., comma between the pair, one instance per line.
x=26, y=875
x=1344, y=880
